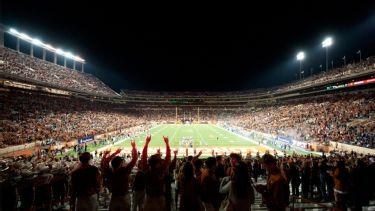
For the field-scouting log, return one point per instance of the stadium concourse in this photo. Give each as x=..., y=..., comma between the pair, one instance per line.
x=53, y=115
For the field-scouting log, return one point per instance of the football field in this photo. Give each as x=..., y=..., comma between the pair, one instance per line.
x=204, y=137
x=201, y=135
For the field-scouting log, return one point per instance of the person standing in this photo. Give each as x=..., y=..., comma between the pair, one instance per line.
x=238, y=187
x=118, y=181
x=210, y=186
x=155, y=170
x=86, y=182
x=276, y=192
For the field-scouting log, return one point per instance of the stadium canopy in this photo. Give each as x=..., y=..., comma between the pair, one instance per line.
x=46, y=47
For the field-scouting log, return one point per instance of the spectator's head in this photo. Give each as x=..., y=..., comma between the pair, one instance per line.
x=85, y=157
x=198, y=164
x=116, y=162
x=219, y=159
x=154, y=161
x=210, y=163
x=269, y=161
x=187, y=172
x=234, y=158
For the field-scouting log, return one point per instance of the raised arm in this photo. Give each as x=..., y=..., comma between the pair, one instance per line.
x=132, y=163
x=144, y=154
x=167, y=160
x=104, y=163
x=195, y=158
x=173, y=163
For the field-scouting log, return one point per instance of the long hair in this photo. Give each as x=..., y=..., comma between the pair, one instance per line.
x=187, y=173
x=241, y=183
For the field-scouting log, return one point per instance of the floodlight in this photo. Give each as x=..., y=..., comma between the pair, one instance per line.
x=59, y=51
x=49, y=47
x=77, y=58
x=327, y=42
x=25, y=36
x=13, y=31
x=37, y=42
x=69, y=55
x=300, y=56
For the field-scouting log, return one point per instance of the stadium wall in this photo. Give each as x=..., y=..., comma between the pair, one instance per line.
x=349, y=148
x=13, y=149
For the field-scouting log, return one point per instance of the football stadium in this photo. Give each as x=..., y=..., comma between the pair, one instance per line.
x=70, y=141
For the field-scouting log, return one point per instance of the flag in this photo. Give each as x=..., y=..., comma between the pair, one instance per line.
x=358, y=52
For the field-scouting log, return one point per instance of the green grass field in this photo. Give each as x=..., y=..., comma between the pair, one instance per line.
x=203, y=135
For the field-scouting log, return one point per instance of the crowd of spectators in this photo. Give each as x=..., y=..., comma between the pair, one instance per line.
x=35, y=69
x=27, y=117
x=347, y=118
x=44, y=180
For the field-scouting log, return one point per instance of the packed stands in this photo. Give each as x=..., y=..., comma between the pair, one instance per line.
x=348, y=118
x=28, y=116
x=34, y=70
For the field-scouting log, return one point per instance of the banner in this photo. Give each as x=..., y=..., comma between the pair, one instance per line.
x=284, y=140
x=85, y=139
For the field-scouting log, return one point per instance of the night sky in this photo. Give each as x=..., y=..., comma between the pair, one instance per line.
x=195, y=46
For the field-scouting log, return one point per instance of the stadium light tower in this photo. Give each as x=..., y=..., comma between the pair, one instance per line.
x=46, y=47
x=300, y=57
x=325, y=44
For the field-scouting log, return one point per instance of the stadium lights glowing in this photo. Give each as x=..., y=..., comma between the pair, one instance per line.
x=78, y=58
x=59, y=51
x=13, y=31
x=37, y=42
x=25, y=37
x=69, y=55
x=300, y=56
x=50, y=47
x=327, y=42
x=43, y=45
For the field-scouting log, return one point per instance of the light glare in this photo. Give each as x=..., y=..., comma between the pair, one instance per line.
x=69, y=55
x=25, y=36
x=13, y=31
x=46, y=46
x=59, y=51
x=37, y=42
x=300, y=56
x=327, y=42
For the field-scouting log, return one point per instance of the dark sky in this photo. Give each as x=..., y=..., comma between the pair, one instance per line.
x=196, y=47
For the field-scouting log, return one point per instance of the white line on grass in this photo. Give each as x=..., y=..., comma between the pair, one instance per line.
x=251, y=140
x=200, y=135
x=246, y=138
x=175, y=132
x=263, y=145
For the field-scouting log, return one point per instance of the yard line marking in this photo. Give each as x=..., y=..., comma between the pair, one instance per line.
x=200, y=135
